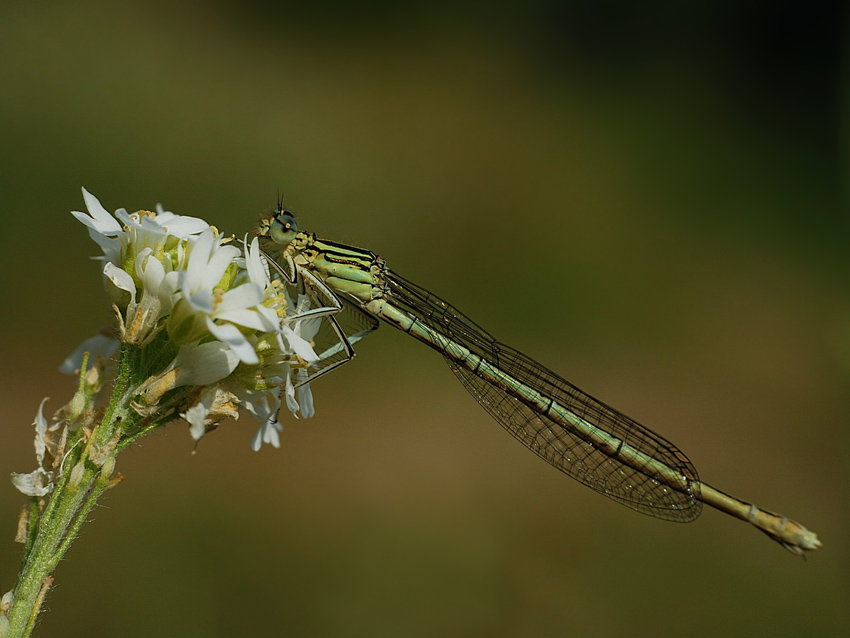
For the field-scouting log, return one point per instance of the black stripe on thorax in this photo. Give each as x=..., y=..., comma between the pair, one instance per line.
x=343, y=250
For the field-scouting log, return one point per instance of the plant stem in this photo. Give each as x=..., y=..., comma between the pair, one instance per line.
x=76, y=491
x=54, y=534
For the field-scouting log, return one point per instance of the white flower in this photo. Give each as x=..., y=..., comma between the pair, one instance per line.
x=143, y=230
x=205, y=308
x=213, y=406
x=141, y=319
x=195, y=364
x=266, y=413
x=104, y=229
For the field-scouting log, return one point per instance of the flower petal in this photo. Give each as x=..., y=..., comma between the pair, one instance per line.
x=120, y=278
x=267, y=433
x=308, y=328
x=235, y=340
x=196, y=417
x=36, y=483
x=204, y=364
x=305, y=401
x=244, y=296
x=299, y=346
x=181, y=226
x=289, y=394
x=199, y=257
x=257, y=271
x=218, y=263
x=97, y=345
x=152, y=275
x=100, y=219
x=247, y=318
x=40, y=424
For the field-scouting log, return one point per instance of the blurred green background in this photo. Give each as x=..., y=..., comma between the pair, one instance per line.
x=648, y=198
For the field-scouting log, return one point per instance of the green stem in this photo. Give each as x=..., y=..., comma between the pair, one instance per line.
x=127, y=441
x=101, y=484
x=46, y=552
x=70, y=503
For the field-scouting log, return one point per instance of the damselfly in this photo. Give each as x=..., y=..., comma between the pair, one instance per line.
x=353, y=290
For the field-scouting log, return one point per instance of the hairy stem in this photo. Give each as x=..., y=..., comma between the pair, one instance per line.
x=77, y=490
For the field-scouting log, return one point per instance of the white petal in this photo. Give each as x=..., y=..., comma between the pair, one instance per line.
x=305, y=401
x=217, y=264
x=148, y=235
x=291, y=401
x=299, y=346
x=97, y=345
x=236, y=341
x=267, y=433
x=148, y=225
x=257, y=440
x=91, y=223
x=271, y=433
x=258, y=405
x=182, y=226
x=196, y=417
x=152, y=275
x=204, y=364
x=198, y=259
x=140, y=258
x=103, y=237
x=270, y=317
x=244, y=296
x=40, y=424
x=200, y=300
x=126, y=218
x=248, y=318
x=102, y=220
x=308, y=328
x=36, y=483
x=171, y=282
x=120, y=278
x=254, y=264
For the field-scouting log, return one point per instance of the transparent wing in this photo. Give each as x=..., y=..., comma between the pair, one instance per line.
x=560, y=446
x=351, y=323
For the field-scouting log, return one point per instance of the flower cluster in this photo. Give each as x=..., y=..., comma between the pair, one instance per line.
x=217, y=333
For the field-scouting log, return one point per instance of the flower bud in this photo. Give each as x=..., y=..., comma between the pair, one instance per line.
x=77, y=473
x=75, y=406
x=108, y=467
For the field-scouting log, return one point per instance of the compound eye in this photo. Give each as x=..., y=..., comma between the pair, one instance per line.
x=286, y=221
x=284, y=228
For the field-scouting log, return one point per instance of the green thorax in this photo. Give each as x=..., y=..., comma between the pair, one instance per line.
x=347, y=270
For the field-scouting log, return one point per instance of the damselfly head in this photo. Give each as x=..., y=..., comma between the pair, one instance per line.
x=281, y=227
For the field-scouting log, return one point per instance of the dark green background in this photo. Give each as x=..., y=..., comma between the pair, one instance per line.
x=647, y=200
